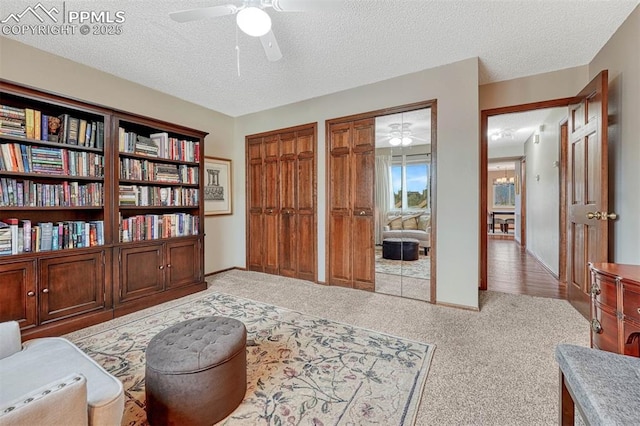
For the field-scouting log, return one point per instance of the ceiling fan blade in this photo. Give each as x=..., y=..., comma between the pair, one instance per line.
x=203, y=13
x=271, y=47
x=302, y=5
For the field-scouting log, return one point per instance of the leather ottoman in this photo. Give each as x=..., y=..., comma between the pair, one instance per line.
x=196, y=371
x=400, y=249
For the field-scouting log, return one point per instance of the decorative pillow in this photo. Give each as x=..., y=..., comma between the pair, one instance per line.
x=410, y=223
x=424, y=222
x=395, y=223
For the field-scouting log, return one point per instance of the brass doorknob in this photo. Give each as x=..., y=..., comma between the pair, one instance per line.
x=611, y=216
x=595, y=215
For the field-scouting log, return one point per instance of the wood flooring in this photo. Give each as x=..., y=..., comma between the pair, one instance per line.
x=510, y=269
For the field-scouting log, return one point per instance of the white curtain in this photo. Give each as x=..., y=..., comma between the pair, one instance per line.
x=383, y=193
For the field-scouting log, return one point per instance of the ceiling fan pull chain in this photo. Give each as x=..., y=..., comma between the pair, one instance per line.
x=237, y=52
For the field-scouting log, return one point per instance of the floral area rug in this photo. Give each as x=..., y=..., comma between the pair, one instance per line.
x=303, y=370
x=420, y=268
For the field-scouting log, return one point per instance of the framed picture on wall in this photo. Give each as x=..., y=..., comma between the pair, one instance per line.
x=217, y=186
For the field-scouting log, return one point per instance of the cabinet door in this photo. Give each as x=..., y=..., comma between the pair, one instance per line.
x=70, y=285
x=141, y=271
x=17, y=293
x=183, y=263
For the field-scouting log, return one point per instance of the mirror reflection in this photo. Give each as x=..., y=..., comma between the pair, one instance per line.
x=403, y=204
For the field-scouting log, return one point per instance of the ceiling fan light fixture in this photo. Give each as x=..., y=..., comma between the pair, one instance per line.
x=254, y=21
x=395, y=141
x=406, y=141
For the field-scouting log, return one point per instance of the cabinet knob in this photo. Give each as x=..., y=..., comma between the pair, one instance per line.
x=161, y=267
x=595, y=290
x=169, y=265
x=45, y=290
x=638, y=310
x=362, y=213
x=596, y=326
x=31, y=294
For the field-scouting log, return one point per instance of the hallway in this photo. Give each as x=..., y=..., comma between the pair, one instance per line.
x=511, y=269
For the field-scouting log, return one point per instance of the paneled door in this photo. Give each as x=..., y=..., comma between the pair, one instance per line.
x=588, y=215
x=351, y=242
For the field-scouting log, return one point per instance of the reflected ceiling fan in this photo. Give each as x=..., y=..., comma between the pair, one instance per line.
x=252, y=18
x=400, y=134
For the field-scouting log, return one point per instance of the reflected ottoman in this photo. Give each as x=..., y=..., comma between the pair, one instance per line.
x=196, y=371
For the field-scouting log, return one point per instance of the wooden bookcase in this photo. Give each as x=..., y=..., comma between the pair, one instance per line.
x=129, y=221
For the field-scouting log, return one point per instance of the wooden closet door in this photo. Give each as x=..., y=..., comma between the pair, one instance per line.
x=363, y=163
x=306, y=204
x=271, y=204
x=255, y=188
x=339, y=199
x=288, y=229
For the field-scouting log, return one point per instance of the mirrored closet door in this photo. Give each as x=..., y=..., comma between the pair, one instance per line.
x=403, y=204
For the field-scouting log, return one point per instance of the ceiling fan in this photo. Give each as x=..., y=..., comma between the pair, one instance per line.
x=252, y=18
x=400, y=134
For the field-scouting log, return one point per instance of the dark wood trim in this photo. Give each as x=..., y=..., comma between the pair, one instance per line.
x=523, y=202
x=151, y=300
x=564, y=144
x=484, y=147
x=432, y=103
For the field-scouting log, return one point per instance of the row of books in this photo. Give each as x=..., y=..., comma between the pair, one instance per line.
x=34, y=124
x=158, y=145
x=132, y=168
x=15, y=157
x=20, y=236
x=134, y=195
x=152, y=227
x=26, y=193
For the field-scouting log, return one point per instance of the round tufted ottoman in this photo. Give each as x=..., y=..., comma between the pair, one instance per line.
x=196, y=371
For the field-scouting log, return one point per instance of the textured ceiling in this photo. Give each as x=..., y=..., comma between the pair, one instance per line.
x=349, y=44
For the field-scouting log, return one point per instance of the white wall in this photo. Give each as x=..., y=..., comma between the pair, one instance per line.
x=543, y=192
x=505, y=151
x=621, y=56
x=455, y=87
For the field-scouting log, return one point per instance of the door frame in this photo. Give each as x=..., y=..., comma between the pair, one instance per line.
x=433, y=104
x=484, y=159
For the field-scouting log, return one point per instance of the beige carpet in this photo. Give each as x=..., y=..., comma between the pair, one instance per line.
x=493, y=367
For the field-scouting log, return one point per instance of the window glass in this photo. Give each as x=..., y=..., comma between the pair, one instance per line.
x=504, y=194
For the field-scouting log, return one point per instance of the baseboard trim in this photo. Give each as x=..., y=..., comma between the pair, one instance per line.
x=225, y=270
x=454, y=305
x=541, y=263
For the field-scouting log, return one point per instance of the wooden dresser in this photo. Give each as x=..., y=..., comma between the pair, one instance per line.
x=615, y=308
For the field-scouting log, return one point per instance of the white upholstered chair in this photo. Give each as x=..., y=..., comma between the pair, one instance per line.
x=49, y=381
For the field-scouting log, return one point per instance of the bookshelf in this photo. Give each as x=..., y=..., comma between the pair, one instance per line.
x=101, y=211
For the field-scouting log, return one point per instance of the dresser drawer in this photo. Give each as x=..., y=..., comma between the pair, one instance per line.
x=604, y=329
x=603, y=290
x=631, y=334
x=631, y=302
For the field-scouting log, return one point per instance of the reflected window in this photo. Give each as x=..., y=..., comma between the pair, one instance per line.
x=410, y=181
